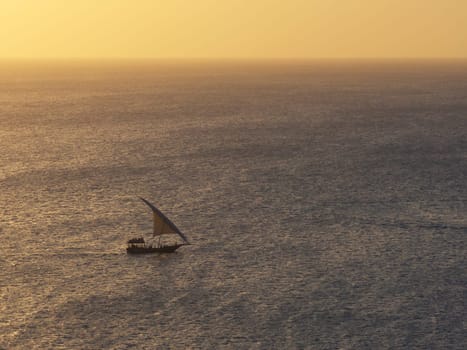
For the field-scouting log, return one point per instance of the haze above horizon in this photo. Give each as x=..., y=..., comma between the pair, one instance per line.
x=236, y=29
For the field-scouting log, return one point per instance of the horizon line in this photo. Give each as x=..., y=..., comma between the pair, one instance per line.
x=303, y=59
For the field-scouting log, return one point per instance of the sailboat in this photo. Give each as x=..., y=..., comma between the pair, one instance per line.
x=162, y=226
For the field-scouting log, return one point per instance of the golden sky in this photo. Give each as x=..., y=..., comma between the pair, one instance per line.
x=232, y=28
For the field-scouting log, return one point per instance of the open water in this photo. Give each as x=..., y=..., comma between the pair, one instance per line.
x=326, y=202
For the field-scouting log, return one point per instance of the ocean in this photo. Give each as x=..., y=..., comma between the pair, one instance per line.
x=325, y=200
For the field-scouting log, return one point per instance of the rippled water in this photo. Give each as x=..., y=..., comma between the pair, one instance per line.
x=326, y=203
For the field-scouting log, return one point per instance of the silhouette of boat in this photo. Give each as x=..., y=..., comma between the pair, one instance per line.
x=162, y=226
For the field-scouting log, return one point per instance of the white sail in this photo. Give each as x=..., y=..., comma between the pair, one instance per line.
x=162, y=224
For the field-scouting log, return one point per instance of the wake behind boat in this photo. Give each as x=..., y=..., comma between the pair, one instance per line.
x=162, y=226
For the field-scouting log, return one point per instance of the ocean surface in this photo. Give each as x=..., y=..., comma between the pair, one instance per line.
x=326, y=204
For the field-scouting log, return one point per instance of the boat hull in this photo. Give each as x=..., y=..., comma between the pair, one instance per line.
x=149, y=250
